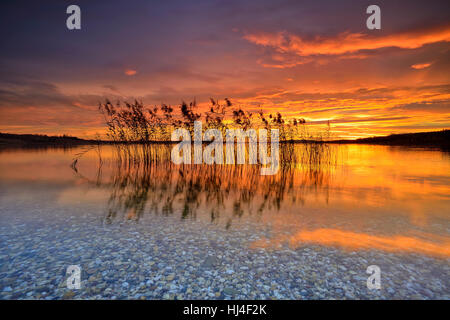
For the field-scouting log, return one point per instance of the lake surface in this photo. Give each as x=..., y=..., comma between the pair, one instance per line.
x=157, y=230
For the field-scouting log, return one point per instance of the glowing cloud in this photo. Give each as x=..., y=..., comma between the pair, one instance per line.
x=419, y=66
x=130, y=72
x=346, y=42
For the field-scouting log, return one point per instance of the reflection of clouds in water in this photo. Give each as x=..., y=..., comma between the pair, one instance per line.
x=387, y=193
x=362, y=188
x=436, y=180
x=435, y=245
x=142, y=178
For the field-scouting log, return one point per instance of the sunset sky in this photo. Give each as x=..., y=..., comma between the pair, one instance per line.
x=310, y=59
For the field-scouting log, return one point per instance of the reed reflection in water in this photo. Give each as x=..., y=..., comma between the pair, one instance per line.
x=142, y=178
x=355, y=197
x=360, y=197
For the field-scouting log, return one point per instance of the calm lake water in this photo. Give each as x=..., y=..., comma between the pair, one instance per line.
x=360, y=199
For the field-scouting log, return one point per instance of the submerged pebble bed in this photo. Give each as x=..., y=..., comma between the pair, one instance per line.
x=167, y=258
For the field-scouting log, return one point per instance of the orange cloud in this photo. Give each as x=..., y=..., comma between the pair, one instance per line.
x=346, y=42
x=419, y=66
x=130, y=72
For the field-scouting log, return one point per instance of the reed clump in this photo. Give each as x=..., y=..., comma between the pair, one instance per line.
x=133, y=123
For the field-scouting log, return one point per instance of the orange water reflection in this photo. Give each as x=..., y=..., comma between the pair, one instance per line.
x=391, y=199
x=352, y=240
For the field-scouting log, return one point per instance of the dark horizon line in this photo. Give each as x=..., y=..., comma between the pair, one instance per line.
x=439, y=138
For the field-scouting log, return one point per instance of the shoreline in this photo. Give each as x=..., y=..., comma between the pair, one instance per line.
x=436, y=139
